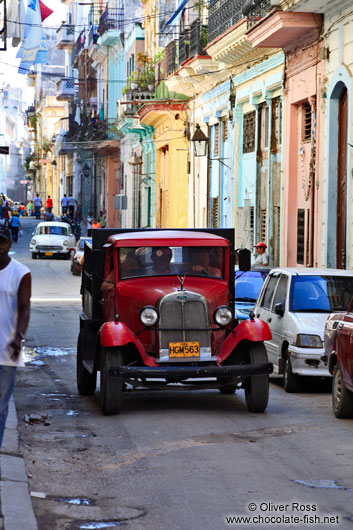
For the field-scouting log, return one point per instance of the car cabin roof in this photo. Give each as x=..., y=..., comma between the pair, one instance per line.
x=166, y=238
x=312, y=271
x=51, y=223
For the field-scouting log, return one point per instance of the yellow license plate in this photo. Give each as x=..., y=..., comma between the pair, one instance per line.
x=48, y=253
x=184, y=349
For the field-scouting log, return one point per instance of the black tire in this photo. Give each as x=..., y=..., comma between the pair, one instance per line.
x=291, y=382
x=34, y=255
x=86, y=382
x=111, y=387
x=257, y=386
x=342, y=399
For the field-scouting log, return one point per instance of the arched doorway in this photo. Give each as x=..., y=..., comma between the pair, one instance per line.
x=342, y=180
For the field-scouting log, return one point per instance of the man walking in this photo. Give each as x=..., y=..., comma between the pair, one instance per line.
x=37, y=204
x=64, y=204
x=72, y=205
x=15, y=226
x=49, y=204
x=15, y=294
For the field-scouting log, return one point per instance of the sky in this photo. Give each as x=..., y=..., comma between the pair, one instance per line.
x=9, y=63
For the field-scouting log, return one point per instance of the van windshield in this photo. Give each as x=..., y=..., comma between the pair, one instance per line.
x=321, y=293
x=157, y=261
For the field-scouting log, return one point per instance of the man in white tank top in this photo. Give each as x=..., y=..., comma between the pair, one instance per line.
x=15, y=294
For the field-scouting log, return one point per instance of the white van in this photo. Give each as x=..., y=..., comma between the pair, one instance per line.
x=295, y=303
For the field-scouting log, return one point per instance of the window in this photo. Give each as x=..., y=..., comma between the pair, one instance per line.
x=276, y=137
x=216, y=140
x=263, y=126
x=281, y=291
x=306, y=122
x=268, y=294
x=225, y=130
x=321, y=293
x=249, y=132
x=300, y=235
x=263, y=225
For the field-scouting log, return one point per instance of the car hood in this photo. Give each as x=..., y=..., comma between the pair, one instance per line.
x=310, y=323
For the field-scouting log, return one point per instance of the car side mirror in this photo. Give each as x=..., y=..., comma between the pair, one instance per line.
x=279, y=310
x=244, y=259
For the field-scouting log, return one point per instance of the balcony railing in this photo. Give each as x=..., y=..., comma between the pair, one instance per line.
x=198, y=39
x=93, y=35
x=65, y=89
x=78, y=47
x=171, y=57
x=65, y=36
x=256, y=10
x=191, y=42
x=222, y=15
x=183, y=50
x=112, y=19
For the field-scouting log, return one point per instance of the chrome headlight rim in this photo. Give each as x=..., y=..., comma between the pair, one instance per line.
x=65, y=243
x=303, y=341
x=223, y=310
x=152, y=311
x=33, y=242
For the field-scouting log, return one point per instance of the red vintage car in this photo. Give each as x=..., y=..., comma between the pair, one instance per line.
x=157, y=313
x=339, y=351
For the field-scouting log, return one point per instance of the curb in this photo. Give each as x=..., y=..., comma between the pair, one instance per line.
x=16, y=504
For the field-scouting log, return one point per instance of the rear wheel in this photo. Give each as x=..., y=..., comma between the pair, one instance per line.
x=257, y=386
x=342, y=399
x=111, y=387
x=291, y=381
x=86, y=381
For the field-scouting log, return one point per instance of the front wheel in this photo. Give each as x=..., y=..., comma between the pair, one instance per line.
x=86, y=381
x=290, y=380
x=257, y=386
x=342, y=399
x=111, y=387
x=34, y=255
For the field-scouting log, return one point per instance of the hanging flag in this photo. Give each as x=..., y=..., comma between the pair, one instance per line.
x=33, y=49
x=45, y=11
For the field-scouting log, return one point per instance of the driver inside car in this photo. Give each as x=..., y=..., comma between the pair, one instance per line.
x=200, y=258
x=161, y=257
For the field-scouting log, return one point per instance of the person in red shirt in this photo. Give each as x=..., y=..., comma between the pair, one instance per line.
x=49, y=204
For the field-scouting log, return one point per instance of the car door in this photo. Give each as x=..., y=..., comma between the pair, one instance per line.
x=263, y=310
x=275, y=320
x=345, y=346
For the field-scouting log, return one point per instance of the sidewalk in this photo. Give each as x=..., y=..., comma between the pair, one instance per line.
x=16, y=505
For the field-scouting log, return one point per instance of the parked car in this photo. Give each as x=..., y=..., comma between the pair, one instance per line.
x=52, y=238
x=157, y=313
x=339, y=352
x=295, y=303
x=248, y=285
x=76, y=255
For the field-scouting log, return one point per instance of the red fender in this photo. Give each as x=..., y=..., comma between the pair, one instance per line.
x=119, y=334
x=254, y=330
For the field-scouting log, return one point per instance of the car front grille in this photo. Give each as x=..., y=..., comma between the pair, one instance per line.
x=184, y=317
x=47, y=248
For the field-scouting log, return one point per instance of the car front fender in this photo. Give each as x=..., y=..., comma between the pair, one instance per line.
x=255, y=330
x=115, y=334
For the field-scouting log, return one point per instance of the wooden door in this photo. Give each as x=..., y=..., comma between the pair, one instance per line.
x=342, y=181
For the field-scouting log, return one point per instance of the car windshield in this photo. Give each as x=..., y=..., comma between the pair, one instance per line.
x=321, y=293
x=152, y=261
x=248, y=285
x=53, y=230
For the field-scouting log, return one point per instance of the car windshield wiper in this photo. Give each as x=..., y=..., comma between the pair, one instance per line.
x=311, y=310
x=245, y=299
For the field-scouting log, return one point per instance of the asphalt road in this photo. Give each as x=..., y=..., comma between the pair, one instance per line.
x=185, y=460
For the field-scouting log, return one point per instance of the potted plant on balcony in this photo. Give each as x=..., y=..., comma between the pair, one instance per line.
x=131, y=83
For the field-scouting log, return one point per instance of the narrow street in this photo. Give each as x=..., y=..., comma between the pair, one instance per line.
x=183, y=460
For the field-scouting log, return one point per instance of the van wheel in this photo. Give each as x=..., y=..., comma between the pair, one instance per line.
x=111, y=387
x=290, y=381
x=342, y=399
x=86, y=381
x=257, y=386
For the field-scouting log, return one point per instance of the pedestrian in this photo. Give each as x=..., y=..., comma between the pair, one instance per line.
x=78, y=215
x=29, y=208
x=49, y=204
x=15, y=294
x=95, y=223
x=71, y=204
x=89, y=219
x=22, y=209
x=64, y=204
x=6, y=211
x=37, y=204
x=262, y=256
x=102, y=219
x=15, y=226
x=2, y=198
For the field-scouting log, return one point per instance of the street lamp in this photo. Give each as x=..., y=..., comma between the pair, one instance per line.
x=86, y=170
x=200, y=141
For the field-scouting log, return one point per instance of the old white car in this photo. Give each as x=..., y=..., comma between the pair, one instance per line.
x=52, y=238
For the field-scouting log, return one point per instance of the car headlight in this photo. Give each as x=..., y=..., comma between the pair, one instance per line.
x=33, y=241
x=65, y=243
x=308, y=341
x=223, y=315
x=149, y=316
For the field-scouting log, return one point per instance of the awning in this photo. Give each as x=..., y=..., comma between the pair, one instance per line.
x=176, y=13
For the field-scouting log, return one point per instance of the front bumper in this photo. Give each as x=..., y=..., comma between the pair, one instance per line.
x=308, y=361
x=186, y=372
x=63, y=250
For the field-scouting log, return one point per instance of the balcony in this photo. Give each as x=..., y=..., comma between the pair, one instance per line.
x=223, y=15
x=65, y=89
x=111, y=24
x=93, y=35
x=256, y=10
x=191, y=43
x=78, y=47
x=130, y=101
x=65, y=37
x=171, y=57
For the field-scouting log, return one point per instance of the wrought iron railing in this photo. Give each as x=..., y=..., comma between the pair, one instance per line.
x=93, y=35
x=222, y=15
x=198, y=38
x=78, y=46
x=183, y=47
x=257, y=10
x=110, y=20
x=171, y=57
